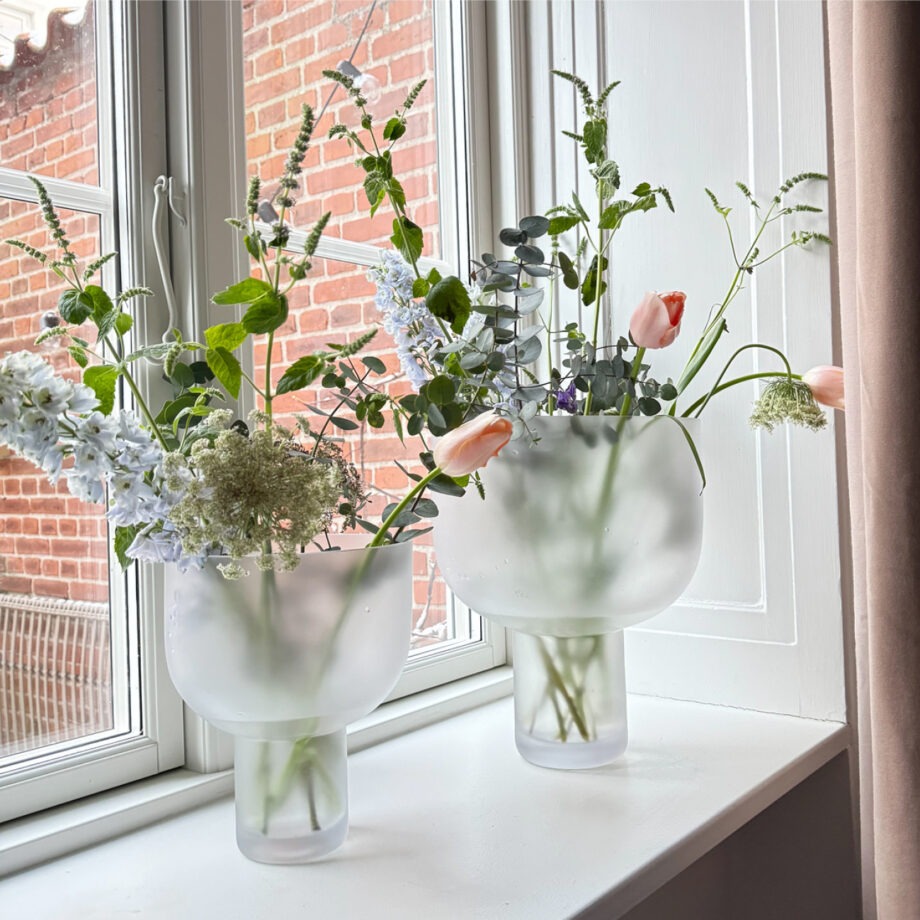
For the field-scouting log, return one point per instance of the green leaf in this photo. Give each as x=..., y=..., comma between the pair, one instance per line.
x=226, y=335
x=446, y=486
x=101, y=380
x=668, y=392
x=104, y=312
x=648, y=405
x=75, y=306
x=266, y=313
x=450, y=300
x=440, y=390
x=345, y=424
x=561, y=223
x=595, y=139
x=182, y=375
x=614, y=214
x=79, y=355
x=394, y=129
x=420, y=287
x=245, y=291
x=407, y=238
x=534, y=226
x=226, y=369
x=569, y=275
x=425, y=507
x=374, y=364
x=124, y=537
x=375, y=187
x=123, y=322
x=589, y=292
x=301, y=373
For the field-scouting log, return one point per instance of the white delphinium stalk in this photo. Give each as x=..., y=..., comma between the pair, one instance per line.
x=407, y=320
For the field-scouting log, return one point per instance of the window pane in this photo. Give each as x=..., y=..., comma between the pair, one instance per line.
x=48, y=89
x=287, y=45
x=336, y=304
x=55, y=636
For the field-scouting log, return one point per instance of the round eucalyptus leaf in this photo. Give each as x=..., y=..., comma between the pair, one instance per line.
x=668, y=392
x=649, y=406
x=534, y=226
x=504, y=267
x=530, y=254
x=530, y=304
x=538, y=271
x=511, y=236
x=496, y=361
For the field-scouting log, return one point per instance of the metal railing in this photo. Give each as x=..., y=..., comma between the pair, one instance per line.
x=55, y=671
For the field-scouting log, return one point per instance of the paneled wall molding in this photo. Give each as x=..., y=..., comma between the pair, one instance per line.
x=711, y=93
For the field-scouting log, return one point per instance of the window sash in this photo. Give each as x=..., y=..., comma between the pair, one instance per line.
x=144, y=696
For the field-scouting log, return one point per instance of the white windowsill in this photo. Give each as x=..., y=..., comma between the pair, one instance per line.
x=58, y=831
x=448, y=823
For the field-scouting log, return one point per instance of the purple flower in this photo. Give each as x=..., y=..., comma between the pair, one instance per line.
x=565, y=399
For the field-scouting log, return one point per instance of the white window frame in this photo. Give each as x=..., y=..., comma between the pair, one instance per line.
x=147, y=737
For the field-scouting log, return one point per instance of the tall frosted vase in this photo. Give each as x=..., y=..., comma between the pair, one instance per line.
x=594, y=526
x=284, y=662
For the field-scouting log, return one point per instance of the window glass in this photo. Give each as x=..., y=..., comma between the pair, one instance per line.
x=48, y=117
x=55, y=669
x=287, y=45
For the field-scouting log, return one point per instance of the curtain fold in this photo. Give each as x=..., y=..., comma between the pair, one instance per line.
x=874, y=59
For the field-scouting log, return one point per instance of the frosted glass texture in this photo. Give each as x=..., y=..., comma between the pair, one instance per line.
x=280, y=655
x=570, y=700
x=594, y=527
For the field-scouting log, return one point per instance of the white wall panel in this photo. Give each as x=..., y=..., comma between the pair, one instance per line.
x=713, y=92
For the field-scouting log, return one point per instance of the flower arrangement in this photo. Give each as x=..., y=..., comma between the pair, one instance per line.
x=189, y=479
x=475, y=345
x=472, y=344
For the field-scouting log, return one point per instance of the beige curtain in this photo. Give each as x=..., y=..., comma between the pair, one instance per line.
x=874, y=56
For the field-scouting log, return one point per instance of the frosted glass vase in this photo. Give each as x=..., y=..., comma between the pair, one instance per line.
x=595, y=526
x=284, y=662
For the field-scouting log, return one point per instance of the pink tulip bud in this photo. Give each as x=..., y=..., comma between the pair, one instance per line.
x=465, y=449
x=656, y=321
x=826, y=385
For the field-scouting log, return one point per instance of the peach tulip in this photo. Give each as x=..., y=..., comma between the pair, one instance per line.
x=465, y=449
x=656, y=321
x=826, y=385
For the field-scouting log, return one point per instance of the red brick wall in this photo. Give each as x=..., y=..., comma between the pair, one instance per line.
x=50, y=543
x=288, y=44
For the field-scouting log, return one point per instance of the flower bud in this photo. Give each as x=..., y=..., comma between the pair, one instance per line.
x=469, y=447
x=656, y=321
x=826, y=385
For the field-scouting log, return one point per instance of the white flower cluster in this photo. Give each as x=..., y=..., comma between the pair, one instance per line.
x=46, y=419
x=410, y=322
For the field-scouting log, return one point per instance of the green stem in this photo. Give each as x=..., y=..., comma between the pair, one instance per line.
x=144, y=410
x=634, y=376
x=733, y=382
x=598, y=280
x=267, y=395
x=728, y=363
x=381, y=535
x=557, y=681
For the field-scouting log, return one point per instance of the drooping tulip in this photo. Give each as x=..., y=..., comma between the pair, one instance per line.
x=656, y=321
x=469, y=447
x=826, y=385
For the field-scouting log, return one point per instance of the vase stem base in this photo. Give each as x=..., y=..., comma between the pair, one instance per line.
x=279, y=850
x=571, y=755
